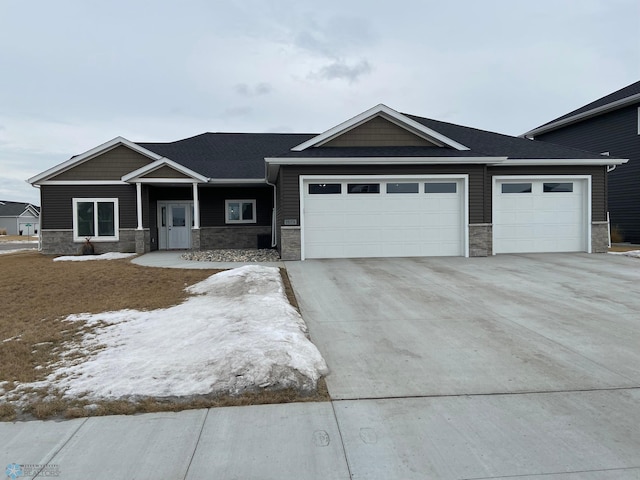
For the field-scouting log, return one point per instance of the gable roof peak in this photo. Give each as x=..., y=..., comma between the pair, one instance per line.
x=387, y=113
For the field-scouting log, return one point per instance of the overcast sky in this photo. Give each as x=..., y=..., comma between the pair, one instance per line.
x=76, y=73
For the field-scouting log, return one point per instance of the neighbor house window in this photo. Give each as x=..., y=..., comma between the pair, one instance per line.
x=96, y=218
x=240, y=211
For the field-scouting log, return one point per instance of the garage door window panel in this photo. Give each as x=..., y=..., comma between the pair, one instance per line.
x=325, y=189
x=440, y=187
x=363, y=188
x=402, y=187
x=558, y=187
x=516, y=188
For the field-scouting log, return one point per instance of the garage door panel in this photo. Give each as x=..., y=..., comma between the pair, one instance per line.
x=381, y=224
x=539, y=221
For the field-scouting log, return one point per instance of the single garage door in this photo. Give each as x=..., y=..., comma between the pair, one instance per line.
x=534, y=215
x=383, y=217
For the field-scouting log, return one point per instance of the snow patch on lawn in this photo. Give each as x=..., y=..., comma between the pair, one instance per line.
x=84, y=258
x=4, y=252
x=237, y=333
x=630, y=253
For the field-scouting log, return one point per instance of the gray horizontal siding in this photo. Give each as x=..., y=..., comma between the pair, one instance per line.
x=57, y=208
x=290, y=182
x=617, y=133
x=598, y=184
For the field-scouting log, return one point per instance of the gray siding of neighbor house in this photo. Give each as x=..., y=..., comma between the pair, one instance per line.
x=111, y=165
x=290, y=183
x=378, y=132
x=615, y=132
x=57, y=210
x=598, y=185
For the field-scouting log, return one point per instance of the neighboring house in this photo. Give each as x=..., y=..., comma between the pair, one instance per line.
x=19, y=218
x=610, y=124
x=382, y=184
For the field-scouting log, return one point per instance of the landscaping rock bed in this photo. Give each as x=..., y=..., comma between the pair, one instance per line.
x=233, y=255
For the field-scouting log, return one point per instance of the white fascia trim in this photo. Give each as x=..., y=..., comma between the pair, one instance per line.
x=89, y=154
x=237, y=180
x=581, y=116
x=82, y=182
x=387, y=113
x=384, y=160
x=159, y=163
x=525, y=162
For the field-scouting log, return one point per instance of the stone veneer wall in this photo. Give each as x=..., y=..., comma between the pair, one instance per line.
x=480, y=239
x=230, y=236
x=599, y=237
x=143, y=240
x=290, y=248
x=60, y=242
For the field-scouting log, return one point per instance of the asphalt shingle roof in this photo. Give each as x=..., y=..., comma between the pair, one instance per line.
x=241, y=155
x=628, y=91
x=13, y=209
x=228, y=155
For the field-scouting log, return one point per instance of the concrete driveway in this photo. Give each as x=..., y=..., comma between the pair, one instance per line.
x=505, y=366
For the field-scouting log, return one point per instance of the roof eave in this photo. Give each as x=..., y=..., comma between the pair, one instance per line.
x=582, y=116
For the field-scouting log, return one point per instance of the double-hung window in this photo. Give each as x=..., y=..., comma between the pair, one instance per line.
x=240, y=211
x=96, y=218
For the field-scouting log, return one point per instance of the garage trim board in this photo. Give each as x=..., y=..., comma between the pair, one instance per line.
x=541, y=213
x=384, y=215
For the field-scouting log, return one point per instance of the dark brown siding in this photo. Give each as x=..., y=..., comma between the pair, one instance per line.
x=212, y=202
x=111, y=165
x=598, y=185
x=378, y=132
x=57, y=210
x=290, y=182
x=615, y=132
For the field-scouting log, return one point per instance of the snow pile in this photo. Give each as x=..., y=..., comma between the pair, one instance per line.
x=83, y=258
x=238, y=333
x=630, y=253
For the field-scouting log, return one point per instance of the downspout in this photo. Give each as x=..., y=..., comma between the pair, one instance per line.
x=39, y=219
x=274, y=243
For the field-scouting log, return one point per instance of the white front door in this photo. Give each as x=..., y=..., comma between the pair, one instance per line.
x=174, y=225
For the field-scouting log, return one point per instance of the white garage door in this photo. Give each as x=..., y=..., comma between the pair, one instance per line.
x=533, y=215
x=390, y=217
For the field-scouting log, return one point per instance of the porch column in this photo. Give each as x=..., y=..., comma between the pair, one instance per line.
x=196, y=207
x=139, y=204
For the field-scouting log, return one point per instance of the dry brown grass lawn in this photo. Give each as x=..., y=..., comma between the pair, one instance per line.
x=38, y=293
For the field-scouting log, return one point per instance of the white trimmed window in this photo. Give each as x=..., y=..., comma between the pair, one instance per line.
x=240, y=211
x=96, y=218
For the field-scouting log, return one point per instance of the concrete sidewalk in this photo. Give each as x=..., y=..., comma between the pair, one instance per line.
x=554, y=436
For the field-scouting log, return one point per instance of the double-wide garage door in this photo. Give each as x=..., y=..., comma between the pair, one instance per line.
x=383, y=217
x=540, y=215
